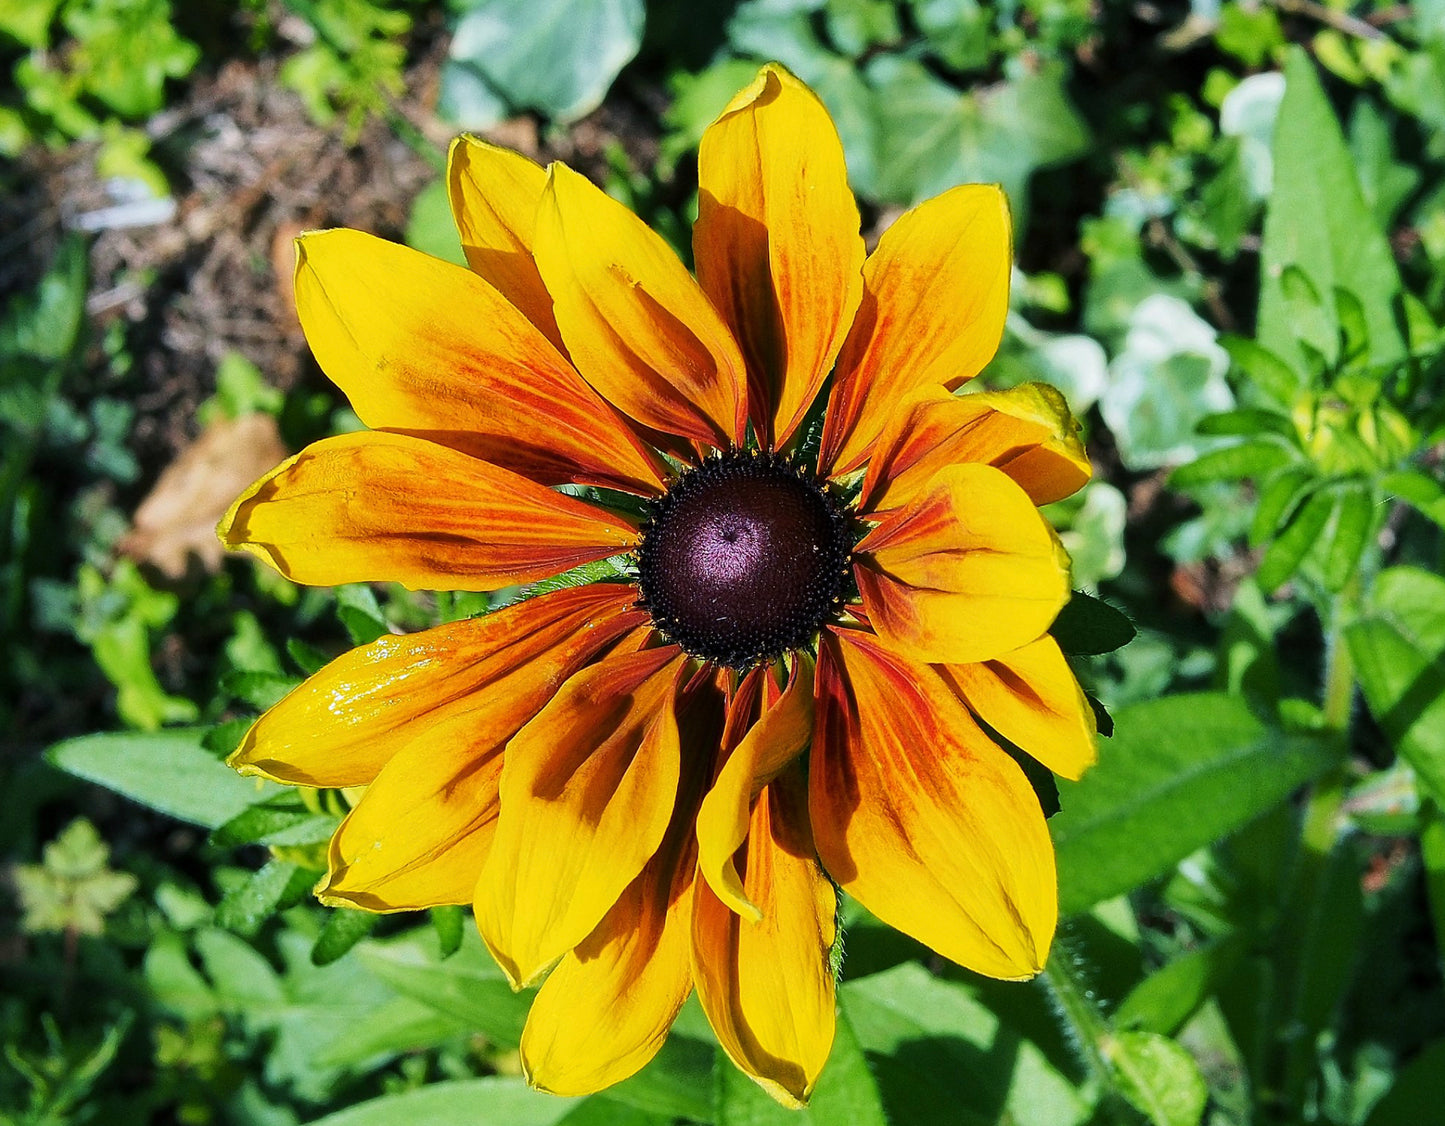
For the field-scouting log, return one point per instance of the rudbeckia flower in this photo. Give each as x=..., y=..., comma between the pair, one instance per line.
x=833, y=590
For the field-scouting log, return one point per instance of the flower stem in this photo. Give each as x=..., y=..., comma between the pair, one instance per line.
x=1084, y=1025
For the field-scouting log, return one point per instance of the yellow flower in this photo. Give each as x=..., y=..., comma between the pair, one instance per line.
x=613, y=774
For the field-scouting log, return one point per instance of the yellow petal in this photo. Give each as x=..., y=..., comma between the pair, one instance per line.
x=921, y=817
x=588, y=790
x=776, y=243
x=767, y=987
x=424, y=347
x=374, y=507
x=636, y=324
x=935, y=295
x=967, y=571
x=1026, y=431
x=494, y=194
x=1032, y=698
x=422, y=831
x=344, y=724
x=606, y=1008
x=779, y=736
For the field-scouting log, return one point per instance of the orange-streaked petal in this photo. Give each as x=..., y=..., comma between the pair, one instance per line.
x=1032, y=698
x=778, y=737
x=1026, y=431
x=935, y=295
x=921, y=817
x=636, y=324
x=423, y=347
x=494, y=194
x=374, y=507
x=967, y=571
x=767, y=987
x=776, y=243
x=606, y=1008
x=345, y=723
x=422, y=831
x=587, y=791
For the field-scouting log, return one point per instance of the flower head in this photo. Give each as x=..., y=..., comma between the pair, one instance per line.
x=655, y=783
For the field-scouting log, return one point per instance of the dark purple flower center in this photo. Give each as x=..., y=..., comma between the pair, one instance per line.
x=745, y=557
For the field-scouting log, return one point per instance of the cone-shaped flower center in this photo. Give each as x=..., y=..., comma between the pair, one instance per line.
x=744, y=558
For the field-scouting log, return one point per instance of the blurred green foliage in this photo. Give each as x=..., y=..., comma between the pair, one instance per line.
x=1231, y=244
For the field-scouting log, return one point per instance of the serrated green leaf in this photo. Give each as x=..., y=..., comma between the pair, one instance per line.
x=1088, y=626
x=1233, y=463
x=168, y=771
x=1179, y=773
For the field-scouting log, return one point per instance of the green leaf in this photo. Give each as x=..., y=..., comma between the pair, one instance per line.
x=1398, y=646
x=1159, y=1077
x=1318, y=221
x=449, y=923
x=1425, y=494
x=941, y=1056
x=360, y=613
x=677, y=1083
x=282, y=823
x=1179, y=773
x=932, y=135
x=225, y=737
x=1164, y=1000
x=1234, y=463
x=1246, y=422
x=1283, y=556
x=343, y=929
x=469, y=985
x=1352, y=523
x=168, y=771
x=554, y=56
x=431, y=228
x=1277, y=498
x=494, y=1101
x=307, y=658
x=260, y=690
x=1088, y=626
x=1417, y=1093
x=1265, y=369
x=846, y=1092
x=245, y=908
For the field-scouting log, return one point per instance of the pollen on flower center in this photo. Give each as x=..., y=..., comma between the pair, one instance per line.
x=744, y=558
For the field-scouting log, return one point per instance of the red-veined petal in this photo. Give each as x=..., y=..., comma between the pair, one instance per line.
x=968, y=570
x=776, y=243
x=935, y=295
x=635, y=322
x=921, y=817
x=375, y=507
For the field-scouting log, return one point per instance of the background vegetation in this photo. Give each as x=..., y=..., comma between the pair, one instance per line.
x=1231, y=245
